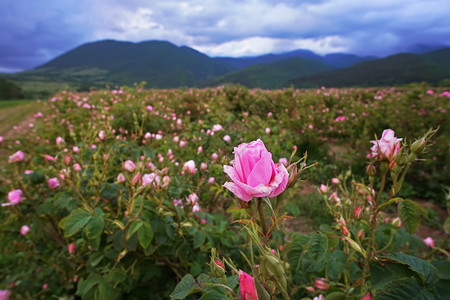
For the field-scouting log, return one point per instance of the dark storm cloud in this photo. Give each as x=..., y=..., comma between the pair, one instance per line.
x=32, y=32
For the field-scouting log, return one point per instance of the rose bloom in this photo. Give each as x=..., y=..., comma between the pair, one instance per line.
x=247, y=286
x=129, y=166
x=59, y=140
x=190, y=166
x=4, y=294
x=101, y=134
x=16, y=157
x=14, y=198
x=429, y=242
x=227, y=138
x=24, y=230
x=387, y=147
x=254, y=174
x=53, y=183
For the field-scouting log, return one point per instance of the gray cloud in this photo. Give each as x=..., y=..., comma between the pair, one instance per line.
x=35, y=31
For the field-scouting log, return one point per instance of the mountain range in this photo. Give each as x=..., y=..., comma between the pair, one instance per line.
x=162, y=64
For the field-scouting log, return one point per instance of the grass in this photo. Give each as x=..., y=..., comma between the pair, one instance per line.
x=14, y=112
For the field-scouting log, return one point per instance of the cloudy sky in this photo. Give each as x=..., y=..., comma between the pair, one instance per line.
x=35, y=31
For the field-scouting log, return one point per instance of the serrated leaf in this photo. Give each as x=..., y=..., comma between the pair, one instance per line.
x=185, y=287
x=135, y=226
x=422, y=210
x=383, y=272
x=145, y=235
x=447, y=225
x=296, y=250
x=405, y=288
x=391, y=201
x=74, y=222
x=199, y=239
x=409, y=216
x=213, y=295
x=94, y=227
x=335, y=264
x=62, y=200
x=427, y=272
x=110, y=191
x=317, y=247
x=85, y=285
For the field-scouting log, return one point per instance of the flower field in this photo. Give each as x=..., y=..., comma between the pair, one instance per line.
x=228, y=193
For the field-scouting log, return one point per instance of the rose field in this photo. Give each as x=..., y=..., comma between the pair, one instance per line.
x=228, y=193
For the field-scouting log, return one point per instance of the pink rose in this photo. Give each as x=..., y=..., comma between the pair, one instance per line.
x=101, y=134
x=53, y=183
x=24, y=230
x=4, y=294
x=129, y=166
x=321, y=283
x=14, y=198
x=429, y=242
x=120, y=178
x=59, y=140
x=387, y=147
x=16, y=157
x=247, y=286
x=254, y=174
x=190, y=166
x=71, y=248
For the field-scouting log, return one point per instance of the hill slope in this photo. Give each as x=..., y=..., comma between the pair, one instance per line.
x=271, y=75
x=161, y=64
x=393, y=70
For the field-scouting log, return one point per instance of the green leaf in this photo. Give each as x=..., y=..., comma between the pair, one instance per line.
x=85, y=285
x=213, y=295
x=199, y=239
x=427, y=272
x=409, y=215
x=95, y=258
x=296, y=250
x=447, y=225
x=110, y=191
x=95, y=226
x=405, y=288
x=135, y=226
x=74, y=222
x=335, y=264
x=422, y=210
x=145, y=235
x=185, y=287
x=106, y=291
x=317, y=247
x=385, y=271
x=336, y=296
x=62, y=200
x=37, y=177
x=391, y=201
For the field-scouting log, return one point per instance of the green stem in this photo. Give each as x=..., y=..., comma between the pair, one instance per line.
x=261, y=217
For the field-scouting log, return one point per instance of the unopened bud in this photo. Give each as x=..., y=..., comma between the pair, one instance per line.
x=402, y=159
x=275, y=267
x=418, y=146
x=217, y=268
x=361, y=234
x=357, y=212
x=397, y=222
x=321, y=283
x=371, y=170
